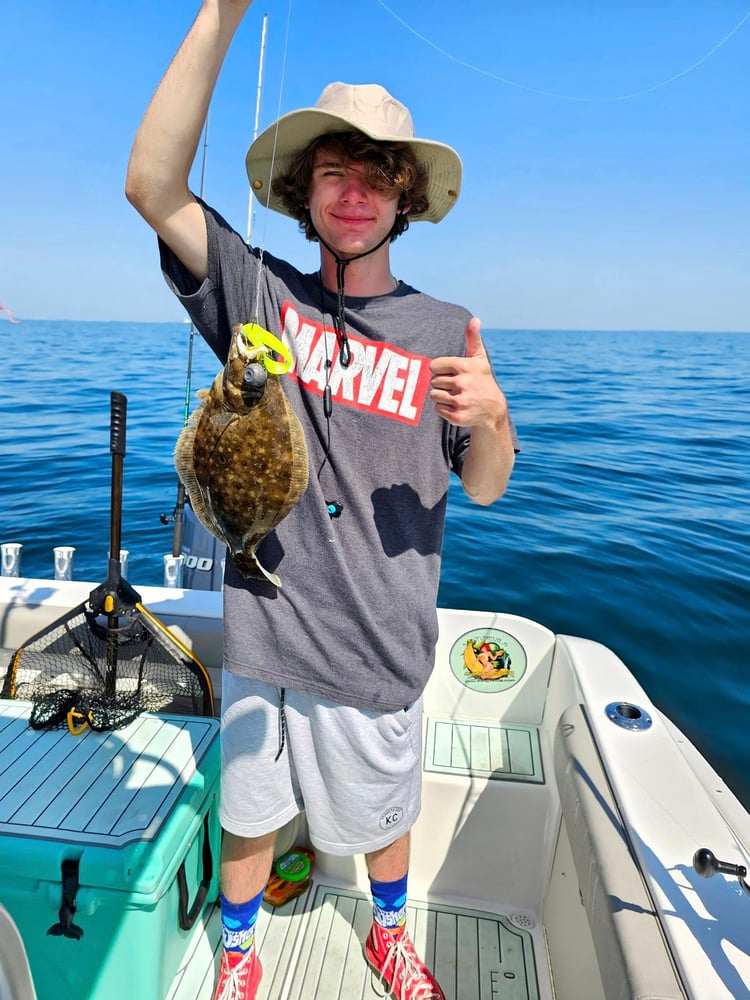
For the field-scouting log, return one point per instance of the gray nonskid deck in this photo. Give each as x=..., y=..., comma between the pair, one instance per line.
x=311, y=949
x=98, y=789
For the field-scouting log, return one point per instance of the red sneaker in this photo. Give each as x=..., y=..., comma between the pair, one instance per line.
x=400, y=970
x=238, y=980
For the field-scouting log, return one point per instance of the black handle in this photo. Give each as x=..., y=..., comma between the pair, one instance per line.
x=118, y=419
x=187, y=917
x=707, y=864
x=65, y=927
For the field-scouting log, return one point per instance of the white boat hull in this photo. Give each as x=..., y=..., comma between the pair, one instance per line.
x=553, y=856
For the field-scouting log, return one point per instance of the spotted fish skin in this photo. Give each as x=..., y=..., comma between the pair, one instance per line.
x=242, y=456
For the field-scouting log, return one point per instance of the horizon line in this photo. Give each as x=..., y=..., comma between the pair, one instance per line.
x=502, y=329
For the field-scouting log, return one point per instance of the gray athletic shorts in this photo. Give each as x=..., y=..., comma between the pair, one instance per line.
x=357, y=774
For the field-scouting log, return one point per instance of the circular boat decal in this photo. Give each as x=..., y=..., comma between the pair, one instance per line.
x=488, y=660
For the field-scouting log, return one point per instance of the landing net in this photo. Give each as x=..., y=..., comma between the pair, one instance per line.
x=83, y=670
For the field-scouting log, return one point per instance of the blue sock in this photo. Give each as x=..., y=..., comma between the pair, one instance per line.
x=389, y=904
x=238, y=924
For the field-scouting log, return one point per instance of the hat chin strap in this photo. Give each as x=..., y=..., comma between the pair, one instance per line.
x=345, y=354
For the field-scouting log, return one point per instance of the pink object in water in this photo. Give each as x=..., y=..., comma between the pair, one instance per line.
x=11, y=317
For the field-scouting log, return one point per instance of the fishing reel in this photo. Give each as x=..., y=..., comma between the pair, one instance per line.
x=707, y=865
x=168, y=518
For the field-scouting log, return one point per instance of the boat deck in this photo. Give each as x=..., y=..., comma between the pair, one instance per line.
x=311, y=949
x=560, y=814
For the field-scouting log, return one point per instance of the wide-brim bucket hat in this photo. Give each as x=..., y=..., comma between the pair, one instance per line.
x=367, y=108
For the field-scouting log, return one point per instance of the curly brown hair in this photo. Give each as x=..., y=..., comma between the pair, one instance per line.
x=387, y=165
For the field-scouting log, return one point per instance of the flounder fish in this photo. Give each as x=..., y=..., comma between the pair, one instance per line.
x=242, y=456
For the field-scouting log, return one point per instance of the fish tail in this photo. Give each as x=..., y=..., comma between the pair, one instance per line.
x=250, y=567
x=272, y=577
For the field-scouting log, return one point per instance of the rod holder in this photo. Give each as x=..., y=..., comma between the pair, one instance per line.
x=63, y=555
x=11, y=558
x=173, y=570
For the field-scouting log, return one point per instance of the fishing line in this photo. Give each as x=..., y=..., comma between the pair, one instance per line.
x=565, y=97
x=177, y=515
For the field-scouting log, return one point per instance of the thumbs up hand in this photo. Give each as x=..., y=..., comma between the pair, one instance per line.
x=465, y=393
x=463, y=390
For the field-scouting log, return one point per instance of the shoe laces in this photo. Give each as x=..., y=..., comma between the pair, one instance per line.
x=405, y=964
x=236, y=980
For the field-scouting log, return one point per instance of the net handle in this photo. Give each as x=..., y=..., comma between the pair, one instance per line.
x=118, y=416
x=117, y=423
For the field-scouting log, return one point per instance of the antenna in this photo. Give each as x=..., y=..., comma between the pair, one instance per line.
x=257, y=119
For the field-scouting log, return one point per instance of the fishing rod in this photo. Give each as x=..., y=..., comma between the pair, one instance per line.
x=177, y=517
x=256, y=126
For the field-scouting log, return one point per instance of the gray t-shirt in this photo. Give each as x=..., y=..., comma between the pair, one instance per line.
x=355, y=619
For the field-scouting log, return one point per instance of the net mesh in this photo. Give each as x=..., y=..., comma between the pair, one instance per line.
x=81, y=671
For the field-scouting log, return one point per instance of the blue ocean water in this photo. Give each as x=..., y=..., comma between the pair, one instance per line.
x=626, y=520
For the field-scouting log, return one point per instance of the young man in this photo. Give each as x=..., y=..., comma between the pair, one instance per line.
x=321, y=706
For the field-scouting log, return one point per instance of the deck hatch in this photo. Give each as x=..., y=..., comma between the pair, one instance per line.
x=484, y=750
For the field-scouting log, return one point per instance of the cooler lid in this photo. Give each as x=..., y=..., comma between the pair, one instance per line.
x=97, y=789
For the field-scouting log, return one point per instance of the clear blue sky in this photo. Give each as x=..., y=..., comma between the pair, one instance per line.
x=593, y=212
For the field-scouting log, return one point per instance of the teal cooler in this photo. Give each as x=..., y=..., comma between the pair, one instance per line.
x=109, y=850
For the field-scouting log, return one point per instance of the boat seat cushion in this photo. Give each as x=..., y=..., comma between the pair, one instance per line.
x=633, y=957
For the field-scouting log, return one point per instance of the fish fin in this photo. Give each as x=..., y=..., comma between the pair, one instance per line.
x=183, y=460
x=300, y=471
x=272, y=577
x=183, y=451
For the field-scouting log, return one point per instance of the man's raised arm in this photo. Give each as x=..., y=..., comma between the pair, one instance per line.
x=167, y=139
